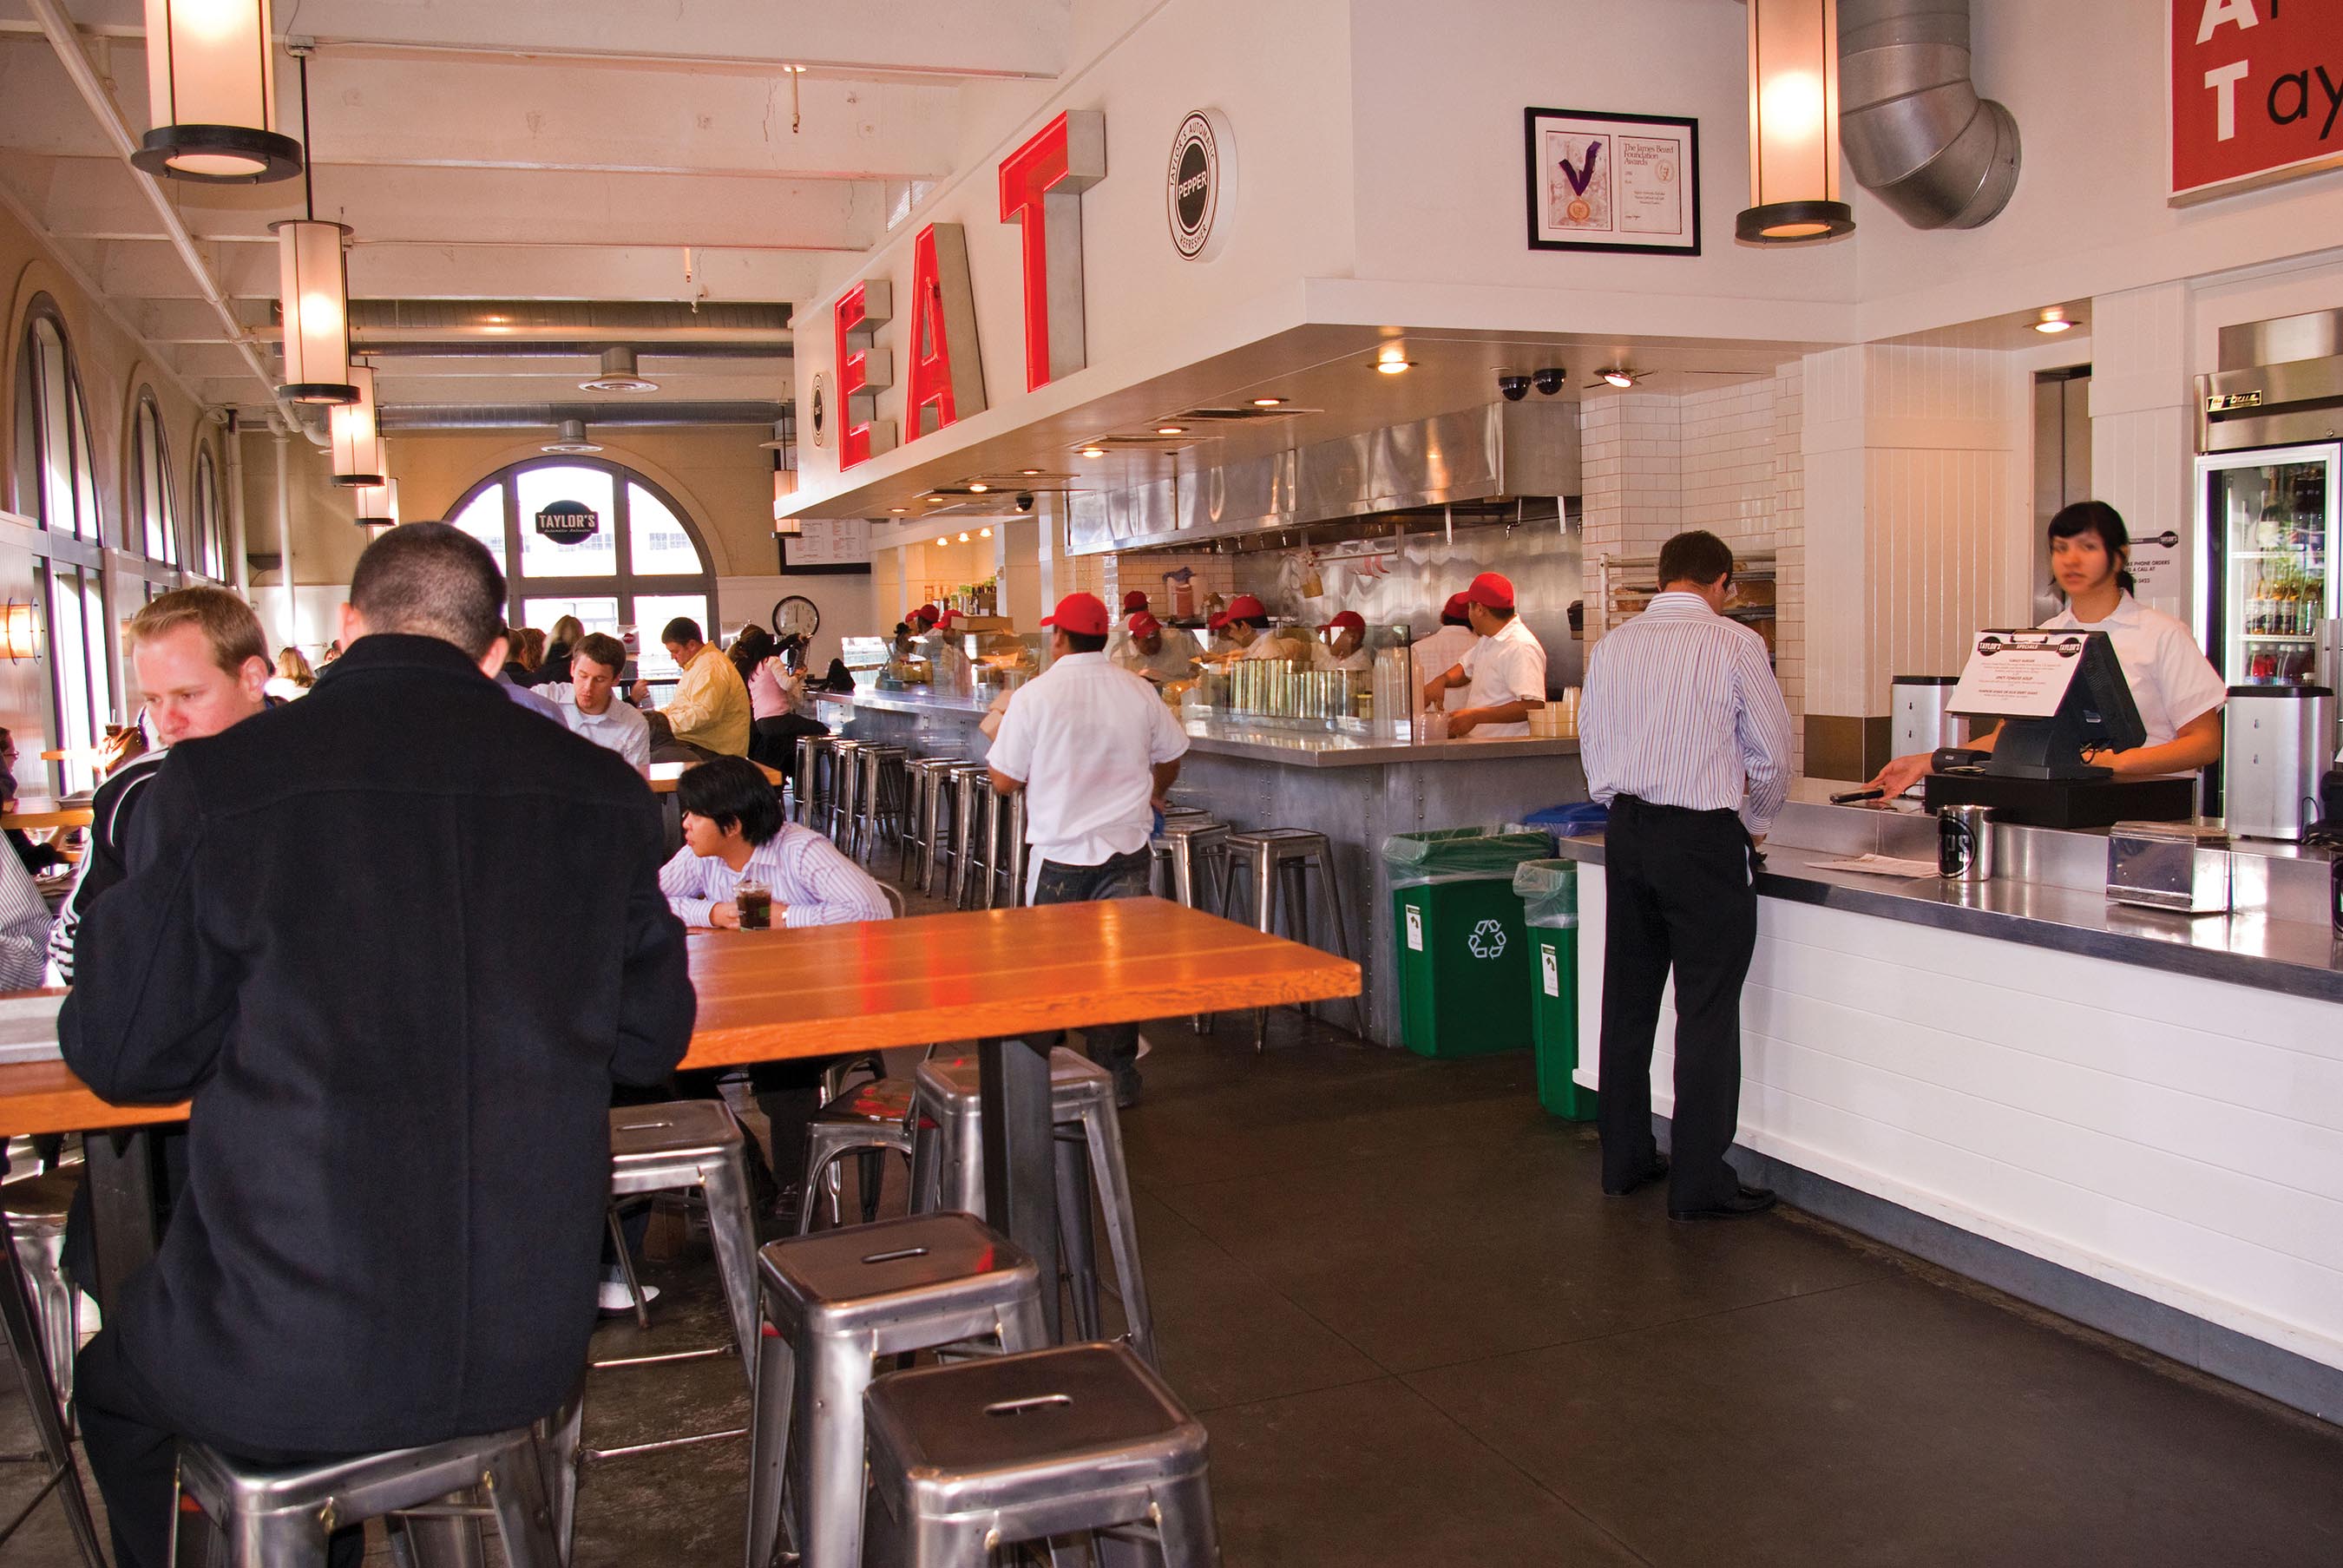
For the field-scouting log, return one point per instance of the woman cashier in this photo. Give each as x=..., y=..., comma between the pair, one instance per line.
x=2178, y=692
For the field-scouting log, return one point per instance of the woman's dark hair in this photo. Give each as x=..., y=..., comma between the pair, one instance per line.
x=793, y=648
x=729, y=791
x=750, y=648
x=2100, y=518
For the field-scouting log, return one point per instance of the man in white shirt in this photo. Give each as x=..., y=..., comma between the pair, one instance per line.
x=1346, y=649
x=1685, y=734
x=1504, y=672
x=1153, y=653
x=589, y=702
x=1118, y=640
x=1443, y=650
x=1095, y=750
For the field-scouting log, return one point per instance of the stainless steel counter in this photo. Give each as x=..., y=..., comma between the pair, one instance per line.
x=914, y=701
x=2052, y=895
x=1311, y=748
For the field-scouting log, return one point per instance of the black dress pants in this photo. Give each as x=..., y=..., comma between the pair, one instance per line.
x=133, y=1447
x=1680, y=896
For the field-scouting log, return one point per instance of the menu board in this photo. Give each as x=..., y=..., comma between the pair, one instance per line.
x=2011, y=679
x=829, y=542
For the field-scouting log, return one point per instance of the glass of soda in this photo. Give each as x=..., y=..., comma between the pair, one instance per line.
x=755, y=902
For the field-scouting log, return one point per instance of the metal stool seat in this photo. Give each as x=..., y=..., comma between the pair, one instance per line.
x=1191, y=851
x=815, y=774
x=682, y=1145
x=1003, y=865
x=845, y=794
x=976, y=1455
x=833, y=1302
x=970, y=787
x=262, y=1518
x=948, y=1172
x=1267, y=862
x=879, y=791
x=921, y=818
x=29, y=1330
x=35, y=1207
x=871, y=1117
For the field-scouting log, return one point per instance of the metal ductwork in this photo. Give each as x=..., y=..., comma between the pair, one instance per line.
x=396, y=417
x=1914, y=131
x=531, y=328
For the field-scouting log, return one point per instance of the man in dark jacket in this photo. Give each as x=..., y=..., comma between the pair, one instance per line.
x=398, y=1151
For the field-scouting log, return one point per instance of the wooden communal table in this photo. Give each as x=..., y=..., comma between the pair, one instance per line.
x=1009, y=979
x=663, y=776
x=35, y=815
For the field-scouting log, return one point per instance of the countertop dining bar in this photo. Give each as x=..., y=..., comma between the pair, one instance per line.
x=1357, y=789
x=2131, y=1116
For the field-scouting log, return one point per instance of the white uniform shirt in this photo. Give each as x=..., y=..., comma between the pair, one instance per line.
x=1168, y=662
x=1508, y=666
x=621, y=727
x=1084, y=739
x=1265, y=644
x=1682, y=709
x=1322, y=657
x=1438, y=654
x=2171, y=681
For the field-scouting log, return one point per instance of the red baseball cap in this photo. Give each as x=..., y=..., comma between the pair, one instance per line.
x=1133, y=601
x=1217, y=619
x=943, y=619
x=1244, y=607
x=1454, y=608
x=1350, y=619
x=1143, y=624
x=1493, y=589
x=927, y=612
x=1084, y=614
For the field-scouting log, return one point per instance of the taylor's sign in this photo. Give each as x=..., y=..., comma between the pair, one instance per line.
x=569, y=522
x=2257, y=92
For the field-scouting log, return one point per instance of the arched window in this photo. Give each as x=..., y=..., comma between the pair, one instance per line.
x=154, y=526
x=211, y=519
x=56, y=486
x=641, y=567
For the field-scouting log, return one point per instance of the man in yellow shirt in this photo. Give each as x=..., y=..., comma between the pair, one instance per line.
x=710, y=712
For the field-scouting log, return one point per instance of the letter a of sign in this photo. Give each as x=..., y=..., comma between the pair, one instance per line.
x=863, y=371
x=947, y=369
x=1041, y=184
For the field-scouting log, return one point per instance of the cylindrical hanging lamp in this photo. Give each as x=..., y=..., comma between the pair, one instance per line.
x=358, y=442
x=785, y=473
x=1793, y=124
x=377, y=504
x=211, y=85
x=313, y=293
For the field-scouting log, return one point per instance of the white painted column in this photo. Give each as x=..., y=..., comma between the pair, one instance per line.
x=2142, y=439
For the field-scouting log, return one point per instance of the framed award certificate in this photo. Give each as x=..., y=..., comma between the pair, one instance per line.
x=1613, y=182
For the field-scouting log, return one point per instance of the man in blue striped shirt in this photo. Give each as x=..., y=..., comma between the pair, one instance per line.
x=1685, y=734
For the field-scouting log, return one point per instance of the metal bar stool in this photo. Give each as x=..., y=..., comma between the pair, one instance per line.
x=971, y=785
x=29, y=1345
x=1191, y=856
x=948, y=1171
x=879, y=772
x=680, y=1145
x=975, y=1455
x=35, y=1207
x=871, y=1117
x=814, y=774
x=921, y=796
x=1270, y=861
x=1004, y=851
x=258, y=1518
x=834, y=1302
x=845, y=793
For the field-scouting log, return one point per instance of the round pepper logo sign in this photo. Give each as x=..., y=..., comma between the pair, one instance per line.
x=1200, y=182
x=1487, y=940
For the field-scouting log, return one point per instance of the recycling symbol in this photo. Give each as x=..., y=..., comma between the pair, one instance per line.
x=1488, y=939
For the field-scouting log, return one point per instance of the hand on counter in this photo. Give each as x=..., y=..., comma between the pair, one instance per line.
x=1461, y=723
x=1901, y=774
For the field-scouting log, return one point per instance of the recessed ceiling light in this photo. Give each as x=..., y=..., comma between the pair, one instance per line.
x=794, y=70
x=1030, y=473
x=1268, y=402
x=898, y=511
x=1094, y=452
x=1394, y=367
x=984, y=533
x=1619, y=377
x=978, y=489
x=941, y=540
x=2053, y=319
x=1170, y=429
x=963, y=535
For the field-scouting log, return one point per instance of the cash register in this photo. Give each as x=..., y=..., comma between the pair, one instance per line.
x=2061, y=698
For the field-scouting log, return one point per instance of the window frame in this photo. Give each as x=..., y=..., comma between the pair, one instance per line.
x=208, y=519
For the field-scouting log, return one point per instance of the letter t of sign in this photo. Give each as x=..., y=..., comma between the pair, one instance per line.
x=1041, y=188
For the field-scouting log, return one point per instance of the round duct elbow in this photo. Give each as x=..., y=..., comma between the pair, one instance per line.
x=1915, y=133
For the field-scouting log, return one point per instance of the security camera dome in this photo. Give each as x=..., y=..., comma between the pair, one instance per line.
x=1514, y=387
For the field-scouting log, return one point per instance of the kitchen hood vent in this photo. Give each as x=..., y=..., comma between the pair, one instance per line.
x=1483, y=457
x=1914, y=130
x=1237, y=416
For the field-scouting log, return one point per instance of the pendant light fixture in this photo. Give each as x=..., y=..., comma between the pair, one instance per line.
x=571, y=440
x=211, y=85
x=377, y=504
x=356, y=439
x=314, y=296
x=1794, y=125
x=785, y=474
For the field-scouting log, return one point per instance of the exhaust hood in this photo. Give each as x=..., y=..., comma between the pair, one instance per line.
x=1485, y=456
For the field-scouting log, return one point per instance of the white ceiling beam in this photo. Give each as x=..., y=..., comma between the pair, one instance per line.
x=88, y=198
x=140, y=269
x=150, y=269
x=950, y=39
x=515, y=385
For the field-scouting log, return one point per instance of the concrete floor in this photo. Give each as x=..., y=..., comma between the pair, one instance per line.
x=1420, y=1336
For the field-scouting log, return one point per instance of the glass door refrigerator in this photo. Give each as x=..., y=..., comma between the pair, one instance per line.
x=2268, y=519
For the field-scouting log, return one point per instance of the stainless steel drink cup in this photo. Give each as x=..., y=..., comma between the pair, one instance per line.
x=1965, y=843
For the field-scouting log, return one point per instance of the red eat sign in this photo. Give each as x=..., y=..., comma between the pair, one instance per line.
x=2257, y=92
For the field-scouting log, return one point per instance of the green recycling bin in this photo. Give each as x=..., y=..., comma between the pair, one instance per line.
x=1549, y=894
x=1463, y=964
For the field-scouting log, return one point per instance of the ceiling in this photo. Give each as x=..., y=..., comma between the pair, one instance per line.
x=516, y=151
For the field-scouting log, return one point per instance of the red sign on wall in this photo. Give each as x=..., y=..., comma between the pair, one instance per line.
x=2257, y=92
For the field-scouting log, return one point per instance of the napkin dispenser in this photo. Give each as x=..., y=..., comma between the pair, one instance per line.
x=2175, y=866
